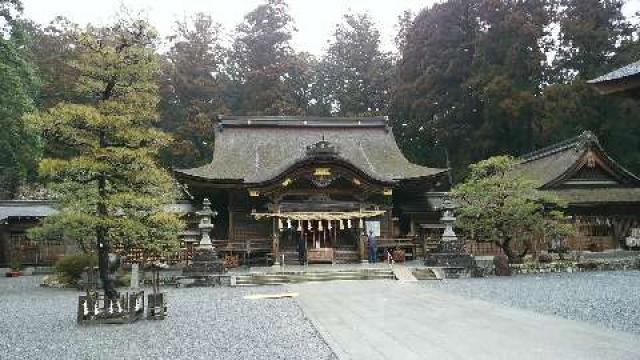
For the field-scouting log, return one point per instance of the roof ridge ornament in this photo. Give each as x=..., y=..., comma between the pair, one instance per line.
x=586, y=140
x=322, y=148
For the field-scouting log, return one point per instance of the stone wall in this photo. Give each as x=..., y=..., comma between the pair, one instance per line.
x=589, y=265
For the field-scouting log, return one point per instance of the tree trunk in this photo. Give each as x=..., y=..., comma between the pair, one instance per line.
x=506, y=248
x=101, y=235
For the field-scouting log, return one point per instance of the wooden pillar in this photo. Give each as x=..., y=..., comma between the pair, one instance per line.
x=231, y=234
x=275, y=242
x=412, y=226
x=362, y=247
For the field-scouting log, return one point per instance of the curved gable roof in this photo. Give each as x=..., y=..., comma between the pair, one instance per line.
x=254, y=150
x=552, y=165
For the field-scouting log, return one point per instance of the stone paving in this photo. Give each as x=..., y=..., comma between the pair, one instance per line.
x=393, y=320
x=203, y=323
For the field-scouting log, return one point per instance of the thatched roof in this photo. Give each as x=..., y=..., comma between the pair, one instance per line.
x=253, y=150
x=557, y=168
x=599, y=195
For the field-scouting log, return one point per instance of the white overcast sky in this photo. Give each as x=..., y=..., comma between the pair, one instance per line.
x=314, y=19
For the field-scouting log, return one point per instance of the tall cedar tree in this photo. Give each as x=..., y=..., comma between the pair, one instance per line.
x=508, y=71
x=263, y=61
x=193, y=84
x=434, y=109
x=19, y=145
x=53, y=48
x=357, y=73
x=111, y=188
x=469, y=80
x=595, y=38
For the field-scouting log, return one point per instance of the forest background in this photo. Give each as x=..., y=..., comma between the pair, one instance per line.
x=468, y=79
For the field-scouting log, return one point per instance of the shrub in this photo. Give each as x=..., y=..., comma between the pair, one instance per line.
x=16, y=264
x=501, y=264
x=595, y=247
x=545, y=258
x=588, y=265
x=70, y=267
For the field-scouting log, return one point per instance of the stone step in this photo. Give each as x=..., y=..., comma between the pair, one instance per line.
x=428, y=274
x=402, y=273
x=287, y=278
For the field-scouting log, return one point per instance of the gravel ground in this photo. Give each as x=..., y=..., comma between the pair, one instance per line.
x=610, y=298
x=211, y=323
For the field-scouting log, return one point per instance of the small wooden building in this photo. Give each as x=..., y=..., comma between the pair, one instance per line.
x=603, y=198
x=16, y=217
x=282, y=183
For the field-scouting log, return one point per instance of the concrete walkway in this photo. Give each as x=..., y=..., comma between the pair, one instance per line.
x=394, y=320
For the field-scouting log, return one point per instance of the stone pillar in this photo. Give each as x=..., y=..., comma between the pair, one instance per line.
x=135, y=276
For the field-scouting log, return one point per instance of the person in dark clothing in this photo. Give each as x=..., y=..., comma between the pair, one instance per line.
x=302, y=249
x=371, y=245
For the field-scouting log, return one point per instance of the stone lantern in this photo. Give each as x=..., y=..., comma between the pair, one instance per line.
x=206, y=216
x=206, y=265
x=450, y=253
x=448, y=219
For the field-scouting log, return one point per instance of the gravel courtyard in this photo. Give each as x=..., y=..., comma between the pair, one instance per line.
x=610, y=299
x=203, y=323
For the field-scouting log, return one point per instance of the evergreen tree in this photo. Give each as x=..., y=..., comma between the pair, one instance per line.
x=19, y=145
x=54, y=49
x=263, y=61
x=590, y=35
x=434, y=108
x=499, y=206
x=357, y=73
x=508, y=70
x=595, y=38
x=110, y=186
x=469, y=80
x=193, y=84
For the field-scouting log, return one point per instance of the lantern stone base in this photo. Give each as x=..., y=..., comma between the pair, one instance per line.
x=156, y=306
x=452, y=257
x=205, y=269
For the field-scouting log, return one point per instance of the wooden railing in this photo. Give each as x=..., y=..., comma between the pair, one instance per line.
x=412, y=244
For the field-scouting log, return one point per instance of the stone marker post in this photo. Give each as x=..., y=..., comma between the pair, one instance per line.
x=135, y=276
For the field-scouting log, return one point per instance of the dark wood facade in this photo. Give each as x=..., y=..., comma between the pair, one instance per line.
x=16, y=217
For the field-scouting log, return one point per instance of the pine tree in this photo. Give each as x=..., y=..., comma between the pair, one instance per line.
x=110, y=186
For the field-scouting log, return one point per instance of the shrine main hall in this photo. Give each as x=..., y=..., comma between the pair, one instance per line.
x=279, y=183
